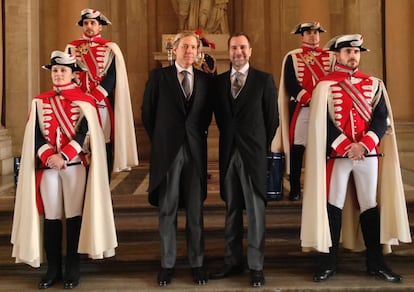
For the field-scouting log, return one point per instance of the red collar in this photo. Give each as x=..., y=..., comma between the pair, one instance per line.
x=339, y=68
x=306, y=47
x=341, y=72
x=86, y=39
x=60, y=88
x=69, y=91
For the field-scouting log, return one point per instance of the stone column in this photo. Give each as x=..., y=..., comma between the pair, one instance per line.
x=1, y=69
x=22, y=67
x=6, y=160
x=399, y=46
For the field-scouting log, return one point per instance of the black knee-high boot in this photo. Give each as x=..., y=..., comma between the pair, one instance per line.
x=72, y=266
x=109, y=159
x=53, y=245
x=370, y=226
x=296, y=159
x=329, y=262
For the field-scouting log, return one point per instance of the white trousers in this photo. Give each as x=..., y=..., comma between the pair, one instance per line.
x=63, y=190
x=365, y=173
x=105, y=120
x=301, y=127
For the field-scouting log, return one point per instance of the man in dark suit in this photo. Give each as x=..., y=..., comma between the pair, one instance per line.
x=176, y=113
x=245, y=108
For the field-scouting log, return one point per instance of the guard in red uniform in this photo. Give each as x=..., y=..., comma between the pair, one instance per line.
x=105, y=78
x=301, y=70
x=204, y=61
x=352, y=125
x=53, y=184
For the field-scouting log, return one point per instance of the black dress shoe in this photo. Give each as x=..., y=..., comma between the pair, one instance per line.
x=257, y=278
x=165, y=276
x=199, y=275
x=72, y=275
x=324, y=275
x=70, y=284
x=386, y=274
x=46, y=283
x=48, y=280
x=227, y=270
x=293, y=196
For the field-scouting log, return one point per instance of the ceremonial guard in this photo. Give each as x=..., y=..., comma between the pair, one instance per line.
x=105, y=78
x=354, y=177
x=204, y=61
x=53, y=187
x=301, y=70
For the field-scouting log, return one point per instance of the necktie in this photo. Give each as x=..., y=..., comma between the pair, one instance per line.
x=237, y=84
x=185, y=83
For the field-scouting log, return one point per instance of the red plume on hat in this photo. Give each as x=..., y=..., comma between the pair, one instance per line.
x=204, y=41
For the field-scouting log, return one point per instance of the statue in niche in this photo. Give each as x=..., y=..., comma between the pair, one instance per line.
x=218, y=21
x=207, y=15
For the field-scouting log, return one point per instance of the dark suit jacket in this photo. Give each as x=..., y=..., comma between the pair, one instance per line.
x=170, y=121
x=247, y=123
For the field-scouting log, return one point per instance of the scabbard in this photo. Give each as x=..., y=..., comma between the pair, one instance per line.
x=367, y=156
x=68, y=164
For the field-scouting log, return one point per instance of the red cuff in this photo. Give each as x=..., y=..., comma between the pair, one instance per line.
x=340, y=144
x=369, y=142
x=71, y=150
x=45, y=152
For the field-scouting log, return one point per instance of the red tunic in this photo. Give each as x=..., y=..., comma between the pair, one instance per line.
x=59, y=121
x=352, y=104
x=93, y=53
x=309, y=65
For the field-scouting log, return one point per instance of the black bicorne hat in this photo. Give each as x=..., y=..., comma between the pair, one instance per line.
x=346, y=41
x=301, y=27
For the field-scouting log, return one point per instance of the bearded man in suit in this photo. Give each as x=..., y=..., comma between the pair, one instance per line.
x=245, y=108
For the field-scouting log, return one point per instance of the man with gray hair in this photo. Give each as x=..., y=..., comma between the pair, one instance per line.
x=176, y=114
